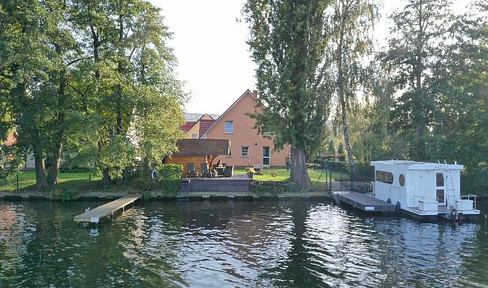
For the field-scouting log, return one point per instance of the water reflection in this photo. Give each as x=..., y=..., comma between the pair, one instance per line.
x=235, y=244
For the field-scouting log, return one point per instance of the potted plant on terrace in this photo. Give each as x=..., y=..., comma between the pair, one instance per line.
x=250, y=172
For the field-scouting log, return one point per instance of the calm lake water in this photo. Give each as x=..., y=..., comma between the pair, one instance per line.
x=280, y=243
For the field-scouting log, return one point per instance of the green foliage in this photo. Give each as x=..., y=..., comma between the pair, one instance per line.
x=75, y=76
x=331, y=147
x=287, y=40
x=415, y=50
x=273, y=188
x=116, y=156
x=340, y=148
x=170, y=171
x=66, y=195
x=169, y=178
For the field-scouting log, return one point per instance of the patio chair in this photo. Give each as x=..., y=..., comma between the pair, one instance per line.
x=192, y=172
x=207, y=172
x=229, y=171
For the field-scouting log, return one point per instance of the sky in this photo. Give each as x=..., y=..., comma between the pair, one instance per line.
x=213, y=56
x=210, y=45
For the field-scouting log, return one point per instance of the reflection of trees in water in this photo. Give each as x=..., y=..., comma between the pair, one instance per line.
x=15, y=235
x=429, y=253
x=236, y=243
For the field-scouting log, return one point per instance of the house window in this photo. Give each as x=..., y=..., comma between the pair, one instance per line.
x=229, y=126
x=194, y=136
x=245, y=151
x=385, y=177
x=266, y=155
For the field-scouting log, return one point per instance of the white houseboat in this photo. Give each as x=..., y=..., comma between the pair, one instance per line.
x=424, y=189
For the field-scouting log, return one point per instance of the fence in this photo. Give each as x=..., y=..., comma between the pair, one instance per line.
x=26, y=181
x=340, y=178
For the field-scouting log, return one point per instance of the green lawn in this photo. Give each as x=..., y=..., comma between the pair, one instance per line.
x=26, y=180
x=280, y=174
x=85, y=181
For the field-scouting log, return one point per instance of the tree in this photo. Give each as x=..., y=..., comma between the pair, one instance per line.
x=136, y=94
x=418, y=36
x=461, y=85
x=287, y=40
x=24, y=68
x=351, y=24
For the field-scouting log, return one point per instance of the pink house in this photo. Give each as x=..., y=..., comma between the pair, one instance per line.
x=248, y=148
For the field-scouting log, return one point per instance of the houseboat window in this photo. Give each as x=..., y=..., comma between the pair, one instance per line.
x=245, y=151
x=229, y=126
x=439, y=180
x=385, y=177
x=440, y=195
x=401, y=179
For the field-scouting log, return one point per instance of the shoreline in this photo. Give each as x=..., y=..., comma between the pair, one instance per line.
x=160, y=196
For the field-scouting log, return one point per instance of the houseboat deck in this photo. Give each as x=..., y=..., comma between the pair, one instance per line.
x=363, y=202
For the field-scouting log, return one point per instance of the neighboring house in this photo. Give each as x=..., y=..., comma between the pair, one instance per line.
x=195, y=129
x=248, y=147
x=29, y=158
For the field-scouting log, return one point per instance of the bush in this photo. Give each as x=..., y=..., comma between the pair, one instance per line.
x=475, y=182
x=170, y=177
x=170, y=171
x=273, y=187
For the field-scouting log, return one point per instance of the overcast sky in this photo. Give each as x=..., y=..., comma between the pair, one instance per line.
x=213, y=57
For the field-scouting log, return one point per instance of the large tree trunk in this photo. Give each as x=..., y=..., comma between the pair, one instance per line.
x=41, y=182
x=52, y=177
x=299, y=174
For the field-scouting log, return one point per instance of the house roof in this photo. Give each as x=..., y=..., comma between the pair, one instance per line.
x=204, y=126
x=202, y=147
x=188, y=125
x=229, y=109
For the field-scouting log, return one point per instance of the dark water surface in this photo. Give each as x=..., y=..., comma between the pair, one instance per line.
x=279, y=243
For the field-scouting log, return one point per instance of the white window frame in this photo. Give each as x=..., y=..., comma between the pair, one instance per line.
x=243, y=155
x=229, y=129
x=267, y=157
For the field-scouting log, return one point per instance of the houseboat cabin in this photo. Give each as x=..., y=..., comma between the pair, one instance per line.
x=423, y=189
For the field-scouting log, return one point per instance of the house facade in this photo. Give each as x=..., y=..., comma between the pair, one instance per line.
x=248, y=147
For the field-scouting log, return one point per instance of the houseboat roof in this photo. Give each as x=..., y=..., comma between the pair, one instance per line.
x=414, y=165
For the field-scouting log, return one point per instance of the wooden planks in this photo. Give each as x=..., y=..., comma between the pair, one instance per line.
x=233, y=184
x=363, y=202
x=107, y=209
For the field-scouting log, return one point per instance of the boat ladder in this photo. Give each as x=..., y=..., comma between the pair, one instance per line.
x=184, y=190
x=451, y=191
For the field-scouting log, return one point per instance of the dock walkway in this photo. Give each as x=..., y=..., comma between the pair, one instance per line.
x=94, y=215
x=363, y=202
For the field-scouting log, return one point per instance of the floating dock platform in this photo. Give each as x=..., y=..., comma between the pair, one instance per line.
x=94, y=215
x=364, y=202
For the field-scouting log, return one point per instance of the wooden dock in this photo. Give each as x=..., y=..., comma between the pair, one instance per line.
x=363, y=202
x=94, y=215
